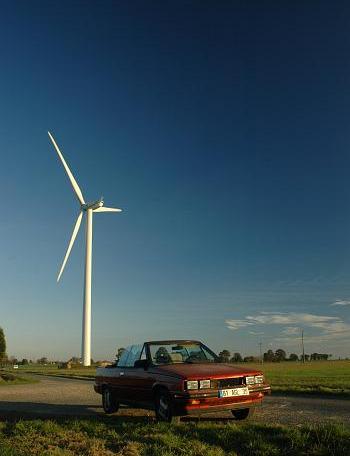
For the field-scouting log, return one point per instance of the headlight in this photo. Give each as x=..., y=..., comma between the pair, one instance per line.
x=259, y=379
x=249, y=380
x=204, y=384
x=192, y=384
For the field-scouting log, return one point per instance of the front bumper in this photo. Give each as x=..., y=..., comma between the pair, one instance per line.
x=209, y=401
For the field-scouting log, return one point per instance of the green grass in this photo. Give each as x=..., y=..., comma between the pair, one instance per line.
x=316, y=377
x=9, y=378
x=75, y=372
x=106, y=437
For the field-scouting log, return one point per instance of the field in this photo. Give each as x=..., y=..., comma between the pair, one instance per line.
x=114, y=436
x=75, y=372
x=7, y=378
x=317, y=377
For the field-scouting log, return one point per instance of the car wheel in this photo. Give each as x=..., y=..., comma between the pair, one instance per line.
x=164, y=407
x=243, y=414
x=110, y=405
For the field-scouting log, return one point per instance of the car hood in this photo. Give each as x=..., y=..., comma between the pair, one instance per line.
x=212, y=370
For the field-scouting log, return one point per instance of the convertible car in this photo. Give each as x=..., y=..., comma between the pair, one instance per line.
x=179, y=377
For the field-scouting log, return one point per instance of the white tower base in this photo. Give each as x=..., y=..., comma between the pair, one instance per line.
x=86, y=336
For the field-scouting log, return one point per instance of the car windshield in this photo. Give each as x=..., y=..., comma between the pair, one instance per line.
x=180, y=352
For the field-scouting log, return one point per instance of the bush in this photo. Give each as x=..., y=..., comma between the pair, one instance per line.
x=8, y=377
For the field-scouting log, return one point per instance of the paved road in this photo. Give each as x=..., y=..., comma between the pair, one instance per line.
x=68, y=397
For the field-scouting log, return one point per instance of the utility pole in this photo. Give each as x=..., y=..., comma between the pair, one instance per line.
x=302, y=344
x=261, y=357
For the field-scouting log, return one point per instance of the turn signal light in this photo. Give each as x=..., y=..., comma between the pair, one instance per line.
x=204, y=384
x=192, y=384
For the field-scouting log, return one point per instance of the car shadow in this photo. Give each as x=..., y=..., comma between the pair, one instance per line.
x=33, y=410
x=40, y=409
x=208, y=419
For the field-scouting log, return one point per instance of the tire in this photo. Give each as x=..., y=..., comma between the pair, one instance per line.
x=164, y=406
x=109, y=404
x=243, y=414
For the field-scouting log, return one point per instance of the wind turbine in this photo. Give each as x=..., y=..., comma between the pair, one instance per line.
x=88, y=209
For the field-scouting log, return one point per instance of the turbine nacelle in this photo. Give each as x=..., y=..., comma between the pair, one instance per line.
x=94, y=205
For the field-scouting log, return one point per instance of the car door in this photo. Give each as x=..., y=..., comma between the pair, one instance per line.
x=141, y=381
x=117, y=381
x=128, y=383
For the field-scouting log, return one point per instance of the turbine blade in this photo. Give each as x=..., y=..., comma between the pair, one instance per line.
x=68, y=171
x=71, y=242
x=107, y=209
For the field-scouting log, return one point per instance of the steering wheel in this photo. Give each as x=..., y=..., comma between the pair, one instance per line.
x=193, y=357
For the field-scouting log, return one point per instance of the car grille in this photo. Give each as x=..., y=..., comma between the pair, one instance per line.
x=230, y=382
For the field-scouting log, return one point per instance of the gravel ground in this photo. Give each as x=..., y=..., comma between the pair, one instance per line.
x=69, y=397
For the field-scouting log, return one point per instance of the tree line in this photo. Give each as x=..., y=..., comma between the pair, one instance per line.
x=270, y=357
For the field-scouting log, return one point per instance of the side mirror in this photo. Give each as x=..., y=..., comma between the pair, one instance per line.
x=141, y=364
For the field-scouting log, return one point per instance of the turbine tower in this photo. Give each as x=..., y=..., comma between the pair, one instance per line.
x=88, y=209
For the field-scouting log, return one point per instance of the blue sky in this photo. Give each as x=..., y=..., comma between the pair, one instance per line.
x=221, y=129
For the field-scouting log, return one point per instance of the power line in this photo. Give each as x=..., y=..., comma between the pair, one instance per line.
x=261, y=357
x=302, y=345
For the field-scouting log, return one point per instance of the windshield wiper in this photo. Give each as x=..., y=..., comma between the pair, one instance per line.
x=196, y=361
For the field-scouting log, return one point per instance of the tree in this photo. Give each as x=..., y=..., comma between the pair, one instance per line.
x=24, y=362
x=280, y=355
x=251, y=359
x=224, y=356
x=119, y=353
x=293, y=357
x=75, y=360
x=42, y=360
x=269, y=356
x=319, y=357
x=236, y=358
x=2, y=345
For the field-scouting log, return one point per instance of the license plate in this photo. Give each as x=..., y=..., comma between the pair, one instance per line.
x=234, y=392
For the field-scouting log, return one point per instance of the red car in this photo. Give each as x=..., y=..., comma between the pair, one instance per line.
x=179, y=377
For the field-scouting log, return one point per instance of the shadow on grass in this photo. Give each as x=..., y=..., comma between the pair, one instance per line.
x=244, y=439
x=58, y=412
x=268, y=440
x=191, y=436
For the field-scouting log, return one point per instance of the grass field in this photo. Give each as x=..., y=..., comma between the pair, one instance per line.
x=317, y=377
x=113, y=436
x=80, y=372
x=7, y=378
